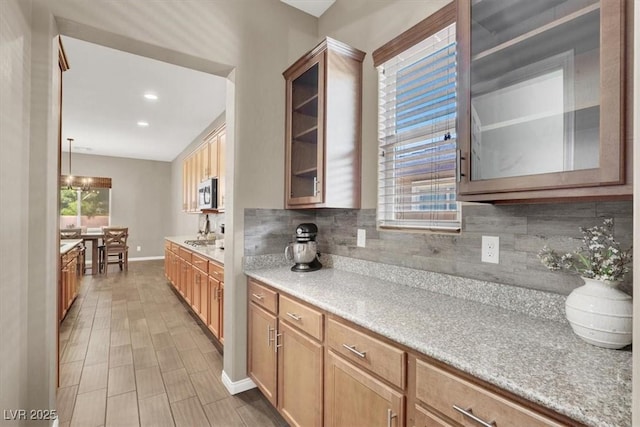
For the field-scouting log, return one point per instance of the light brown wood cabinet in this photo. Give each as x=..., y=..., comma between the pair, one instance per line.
x=323, y=128
x=544, y=106
x=200, y=282
x=440, y=396
x=70, y=276
x=215, y=318
x=299, y=355
x=286, y=355
x=206, y=161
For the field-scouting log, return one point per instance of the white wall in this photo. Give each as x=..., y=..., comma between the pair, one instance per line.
x=254, y=41
x=140, y=197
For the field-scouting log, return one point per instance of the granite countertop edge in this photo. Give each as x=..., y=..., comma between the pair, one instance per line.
x=548, y=389
x=208, y=251
x=68, y=245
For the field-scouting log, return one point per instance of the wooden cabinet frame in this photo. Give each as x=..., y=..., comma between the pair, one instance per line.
x=613, y=177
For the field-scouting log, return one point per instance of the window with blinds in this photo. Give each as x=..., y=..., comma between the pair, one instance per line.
x=417, y=135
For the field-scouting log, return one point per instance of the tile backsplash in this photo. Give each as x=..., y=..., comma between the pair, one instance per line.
x=523, y=231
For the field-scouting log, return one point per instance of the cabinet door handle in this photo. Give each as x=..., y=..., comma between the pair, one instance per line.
x=315, y=186
x=294, y=316
x=469, y=414
x=258, y=297
x=390, y=417
x=219, y=293
x=269, y=339
x=277, y=335
x=352, y=348
x=459, y=160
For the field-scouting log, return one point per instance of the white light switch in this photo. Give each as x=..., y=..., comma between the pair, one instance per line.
x=491, y=249
x=138, y=248
x=361, y=241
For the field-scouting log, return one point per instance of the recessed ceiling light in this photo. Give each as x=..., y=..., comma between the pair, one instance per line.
x=143, y=124
x=151, y=96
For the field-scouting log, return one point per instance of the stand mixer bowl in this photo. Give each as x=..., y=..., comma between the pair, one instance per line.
x=301, y=253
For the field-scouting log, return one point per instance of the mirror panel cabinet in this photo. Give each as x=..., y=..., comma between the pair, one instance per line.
x=542, y=98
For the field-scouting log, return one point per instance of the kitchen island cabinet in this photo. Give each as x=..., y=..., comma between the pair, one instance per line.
x=501, y=362
x=70, y=275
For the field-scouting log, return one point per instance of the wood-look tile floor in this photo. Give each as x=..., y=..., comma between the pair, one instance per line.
x=133, y=355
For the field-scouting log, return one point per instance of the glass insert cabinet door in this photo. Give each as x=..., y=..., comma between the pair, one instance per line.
x=305, y=150
x=540, y=94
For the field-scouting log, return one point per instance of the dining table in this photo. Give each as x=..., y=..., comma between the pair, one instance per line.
x=93, y=237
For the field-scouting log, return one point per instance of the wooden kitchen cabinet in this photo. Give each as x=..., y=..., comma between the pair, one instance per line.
x=544, y=104
x=216, y=300
x=70, y=275
x=261, y=363
x=355, y=398
x=323, y=128
x=286, y=355
x=435, y=389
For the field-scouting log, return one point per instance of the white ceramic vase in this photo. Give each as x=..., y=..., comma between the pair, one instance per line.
x=601, y=314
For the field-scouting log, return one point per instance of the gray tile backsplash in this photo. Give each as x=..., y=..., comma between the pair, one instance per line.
x=523, y=230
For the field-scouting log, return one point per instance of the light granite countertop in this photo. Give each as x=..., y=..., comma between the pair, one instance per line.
x=67, y=244
x=538, y=359
x=209, y=251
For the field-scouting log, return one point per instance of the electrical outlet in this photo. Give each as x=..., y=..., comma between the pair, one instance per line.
x=138, y=248
x=491, y=249
x=361, y=241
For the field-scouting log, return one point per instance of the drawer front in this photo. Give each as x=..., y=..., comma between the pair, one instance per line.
x=216, y=271
x=199, y=262
x=425, y=418
x=301, y=316
x=185, y=254
x=442, y=390
x=167, y=245
x=381, y=358
x=263, y=296
x=175, y=248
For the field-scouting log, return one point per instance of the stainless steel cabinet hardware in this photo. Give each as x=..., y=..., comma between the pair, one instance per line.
x=277, y=335
x=352, y=348
x=294, y=316
x=459, y=160
x=256, y=296
x=469, y=414
x=390, y=417
x=315, y=186
x=269, y=339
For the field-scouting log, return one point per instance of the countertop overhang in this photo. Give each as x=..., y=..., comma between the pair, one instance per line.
x=67, y=244
x=540, y=360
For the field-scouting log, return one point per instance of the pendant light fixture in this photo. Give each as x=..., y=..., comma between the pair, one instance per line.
x=85, y=184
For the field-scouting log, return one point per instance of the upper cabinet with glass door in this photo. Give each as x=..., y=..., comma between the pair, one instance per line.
x=541, y=102
x=323, y=122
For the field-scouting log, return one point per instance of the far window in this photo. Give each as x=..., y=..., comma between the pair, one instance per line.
x=84, y=208
x=417, y=134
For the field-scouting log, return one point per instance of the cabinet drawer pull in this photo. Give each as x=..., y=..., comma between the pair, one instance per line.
x=469, y=414
x=352, y=348
x=294, y=316
x=258, y=297
x=390, y=417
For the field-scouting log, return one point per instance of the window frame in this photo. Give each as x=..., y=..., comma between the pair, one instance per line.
x=430, y=26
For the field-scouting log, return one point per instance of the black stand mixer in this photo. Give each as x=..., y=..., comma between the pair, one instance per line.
x=304, y=251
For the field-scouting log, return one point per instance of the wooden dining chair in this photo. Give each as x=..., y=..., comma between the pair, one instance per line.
x=76, y=233
x=115, y=249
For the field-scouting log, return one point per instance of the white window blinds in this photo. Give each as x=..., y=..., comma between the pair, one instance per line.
x=417, y=136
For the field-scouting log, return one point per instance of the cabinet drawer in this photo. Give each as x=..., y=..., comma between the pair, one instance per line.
x=167, y=245
x=216, y=271
x=175, y=248
x=425, y=418
x=185, y=254
x=200, y=262
x=263, y=296
x=301, y=316
x=383, y=359
x=442, y=390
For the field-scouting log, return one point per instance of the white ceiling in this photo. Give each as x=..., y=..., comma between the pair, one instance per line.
x=103, y=100
x=312, y=7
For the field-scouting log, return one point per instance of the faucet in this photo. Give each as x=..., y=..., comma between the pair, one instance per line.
x=207, y=229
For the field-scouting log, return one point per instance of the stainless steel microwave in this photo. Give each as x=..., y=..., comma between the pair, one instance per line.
x=208, y=194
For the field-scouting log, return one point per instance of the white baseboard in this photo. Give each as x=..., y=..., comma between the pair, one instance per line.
x=145, y=258
x=238, y=386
